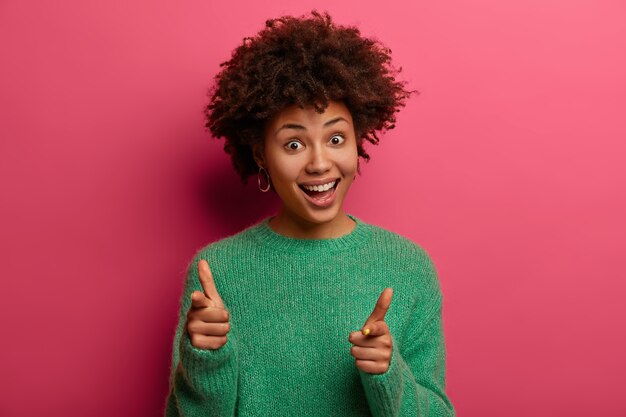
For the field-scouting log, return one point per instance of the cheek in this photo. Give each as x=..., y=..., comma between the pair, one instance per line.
x=349, y=162
x=282, y=170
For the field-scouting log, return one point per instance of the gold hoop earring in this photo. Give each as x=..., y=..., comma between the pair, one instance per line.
x=267, y=175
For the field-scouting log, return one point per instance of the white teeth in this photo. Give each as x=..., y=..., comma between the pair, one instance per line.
x=320, y=188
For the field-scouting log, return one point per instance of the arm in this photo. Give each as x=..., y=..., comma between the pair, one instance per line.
x=202, y=382
x=414, y=384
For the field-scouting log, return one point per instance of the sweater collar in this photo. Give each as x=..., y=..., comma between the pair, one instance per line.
x=271, y=239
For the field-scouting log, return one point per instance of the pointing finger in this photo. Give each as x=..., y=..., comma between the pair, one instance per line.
x=358, y=339
x=207, y=282
x=381, y=308
x=377, y=328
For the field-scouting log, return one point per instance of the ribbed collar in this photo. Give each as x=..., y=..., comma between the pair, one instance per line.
x=269, y=238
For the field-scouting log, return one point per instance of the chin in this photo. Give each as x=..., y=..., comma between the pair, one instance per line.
x=326, y=216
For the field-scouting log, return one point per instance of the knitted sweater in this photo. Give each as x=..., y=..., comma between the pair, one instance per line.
x=292, y=304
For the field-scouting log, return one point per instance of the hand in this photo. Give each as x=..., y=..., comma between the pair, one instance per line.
x=372, y=345
x=207, y=318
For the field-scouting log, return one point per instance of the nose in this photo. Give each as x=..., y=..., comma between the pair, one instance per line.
x=319, y=161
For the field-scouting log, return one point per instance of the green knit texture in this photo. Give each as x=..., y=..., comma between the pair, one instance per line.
x=293, y=303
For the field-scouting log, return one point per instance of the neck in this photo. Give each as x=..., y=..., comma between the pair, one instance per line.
x=290, y=225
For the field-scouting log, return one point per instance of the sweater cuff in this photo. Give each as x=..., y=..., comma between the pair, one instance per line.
x=197, y=363
x=384, y=391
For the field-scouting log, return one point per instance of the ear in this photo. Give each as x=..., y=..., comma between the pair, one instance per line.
x=258, y=154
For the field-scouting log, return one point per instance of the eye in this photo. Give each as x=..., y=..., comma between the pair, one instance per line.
x=293, y=145
x=337, y=139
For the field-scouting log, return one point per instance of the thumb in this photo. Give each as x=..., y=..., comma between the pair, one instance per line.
x=382, y=305
x=208, y=284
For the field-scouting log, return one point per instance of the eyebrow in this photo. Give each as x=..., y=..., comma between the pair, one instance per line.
x=300, y=127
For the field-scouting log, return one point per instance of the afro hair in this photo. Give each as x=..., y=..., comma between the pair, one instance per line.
x=302, y=61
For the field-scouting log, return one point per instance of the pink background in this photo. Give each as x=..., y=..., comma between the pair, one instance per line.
x=508, y=169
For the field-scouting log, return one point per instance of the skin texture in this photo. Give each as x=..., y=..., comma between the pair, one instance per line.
x=302, y=145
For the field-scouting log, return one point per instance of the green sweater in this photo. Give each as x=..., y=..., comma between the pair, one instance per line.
x=293, y=303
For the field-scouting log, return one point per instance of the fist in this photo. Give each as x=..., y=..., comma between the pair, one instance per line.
x=372, y=345
x=207, y=318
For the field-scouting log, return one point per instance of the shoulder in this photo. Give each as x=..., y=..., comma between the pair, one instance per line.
x=409, y=270
x=408, y=261
x=399, y=247
x=230, y=247
x=223, y=256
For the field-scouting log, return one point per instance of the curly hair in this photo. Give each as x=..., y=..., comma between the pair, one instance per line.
x=302, y=61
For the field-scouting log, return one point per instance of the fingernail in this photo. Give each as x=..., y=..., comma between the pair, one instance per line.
x=366, y=331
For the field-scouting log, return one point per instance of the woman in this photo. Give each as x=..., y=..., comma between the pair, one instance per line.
x=294, y=315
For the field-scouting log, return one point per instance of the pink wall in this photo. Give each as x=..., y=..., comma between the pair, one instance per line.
x=508, y=169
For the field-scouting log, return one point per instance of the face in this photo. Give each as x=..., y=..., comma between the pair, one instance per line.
x=311, y=159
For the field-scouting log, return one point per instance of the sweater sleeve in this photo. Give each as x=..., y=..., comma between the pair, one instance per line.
x=202, y=382
x=414, y=383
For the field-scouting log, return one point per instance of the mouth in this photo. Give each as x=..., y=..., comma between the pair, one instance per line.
x=320, y=196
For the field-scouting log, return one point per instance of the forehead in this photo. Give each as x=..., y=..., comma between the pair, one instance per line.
x=308, y=115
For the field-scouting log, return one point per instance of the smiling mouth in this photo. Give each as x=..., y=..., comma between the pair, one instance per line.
x=318, y=190
x=320, y=194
